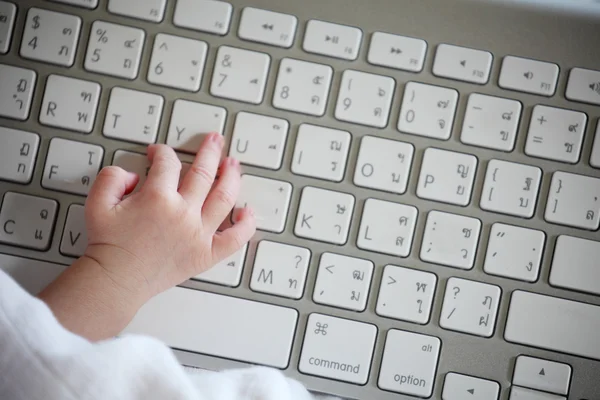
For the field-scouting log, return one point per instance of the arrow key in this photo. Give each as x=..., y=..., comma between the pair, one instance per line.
x=465, y=387
x=549, y=376
x=267, y=27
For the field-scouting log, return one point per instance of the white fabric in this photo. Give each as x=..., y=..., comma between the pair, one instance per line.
x=39, y=359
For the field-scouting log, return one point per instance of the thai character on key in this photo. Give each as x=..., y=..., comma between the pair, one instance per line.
x=403, y=221
x=335, y=145
x=315, y=99
x=399, y=241
x=85, y=180
x=462, y=170
x=358, y=275
x=377, y=111
x=467, y=232
x=44, y=214
x=590, y=215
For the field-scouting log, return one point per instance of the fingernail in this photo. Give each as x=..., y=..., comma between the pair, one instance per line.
x=217, y=138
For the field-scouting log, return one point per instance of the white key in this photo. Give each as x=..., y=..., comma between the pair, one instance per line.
x=574, y=200
x=50, y=37
x=133, y=116
x=302, y=87
x=91, y=4
x=240, y=75
x=70, y=103
x=333, y=40
x=575, y=264
x=227, y=272
x=540, y=321
x=519, y=393
x=280, y=269
x=460, y=387
x=321, y=152
x=529, y=76
x=71, y=166
x=383, y=164
x=259, y=140
x=8, y=13
x=177, y=62
x=219, y=326
x=395, y=51
x=555, y=134
x=470, y=307
x=268, y=198
x=387, y=227
x=514, y=252
x=17, y=154
x=74, y=238
x=17, y=86
x=343, y=281
x=267, y=27
x=203, y=15
x=324, y=215
x=148, y=10
x=584, y=86
x=337, y=348
x=535, y=373
x=27, y=221
x=450, y=240
x=114, y=50
x=406, y=294
x=190, y=122
x=595, y=156
x=31, y=274
x=427, y=110
x=139, y=164
x=491, y=122
x=447, y=176
x=462, y=63
x=409, y=363
x=365, y=98
x=511, y=188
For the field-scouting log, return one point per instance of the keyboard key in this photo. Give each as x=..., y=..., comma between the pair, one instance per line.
x=535, y=373
x=462, y=63
x=511, y=188
x=333, y=40
x=240, y=75
x=447, y=176
x=514, y=252
x=114, y=50
x=203, y=15
x=133, y=116
x=321, y=152
x=460, y=387
x=31, y=274
x=529, y=76
x=555, y=134
x=190, y=122
x=17, y=86
x=280, y=269
x=387, y=227
x=71, y=166
x=17, y=154
x=91, y=4
x=427, y=110
x=219, y=326
x=491, y=122
x=50, y=37
x=406, y=294
x=395, y=51
x=227, y=272
x=450, y=240
x=575, y=264
x=177, y=62
x=70, y=103
x=8, y=13
x=574, y=200
x=365, y=98
x=383, y=164
x=267, y=27
x=324, y=215
x=259, y=140
x=409, y=363
x=268, y=198
x=584, y=86
x=519, y=393
x=343, y=281
x=27, y=221
x=148, y=10
x=595, y=156
x=74, y=238
x=302, y=87
x=470, y=307
x=337, y=348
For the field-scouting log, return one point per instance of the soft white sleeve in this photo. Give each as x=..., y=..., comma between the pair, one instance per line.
x=39, y=359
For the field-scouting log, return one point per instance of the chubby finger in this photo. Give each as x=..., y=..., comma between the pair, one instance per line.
x=164, y=168
x=222, y=197
x=199, y=179
x=232, y=239
x=111, y=184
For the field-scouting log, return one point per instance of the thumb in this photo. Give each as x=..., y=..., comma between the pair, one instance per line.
x=111, y=184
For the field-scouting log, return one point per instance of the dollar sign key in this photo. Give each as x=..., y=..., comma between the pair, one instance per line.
x=36, y=22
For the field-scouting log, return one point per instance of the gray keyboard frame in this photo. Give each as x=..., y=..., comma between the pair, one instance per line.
x=570, y=39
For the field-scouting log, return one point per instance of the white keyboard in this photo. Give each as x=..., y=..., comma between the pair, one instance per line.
x=428, y=203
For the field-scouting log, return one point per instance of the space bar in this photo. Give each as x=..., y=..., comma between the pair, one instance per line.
x=218, y=325
x=554, y=324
